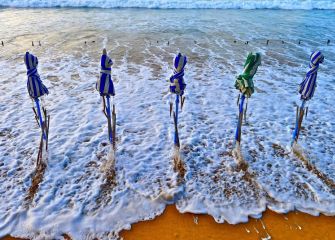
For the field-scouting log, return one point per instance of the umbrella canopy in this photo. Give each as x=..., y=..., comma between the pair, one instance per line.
x=308, y=85
x=34, y=83
x=105, y=84
x=244, y=81
x=177, y=84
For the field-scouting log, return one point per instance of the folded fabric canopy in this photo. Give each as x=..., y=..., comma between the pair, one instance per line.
x=308, y=85
x=105, y=84
x=177, y=84
x=244, y=81
x=34, y=84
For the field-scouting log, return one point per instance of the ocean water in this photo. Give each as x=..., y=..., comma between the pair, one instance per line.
x=216, y=4
x=85, y=193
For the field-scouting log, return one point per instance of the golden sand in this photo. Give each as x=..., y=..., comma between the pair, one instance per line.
x=174, y=225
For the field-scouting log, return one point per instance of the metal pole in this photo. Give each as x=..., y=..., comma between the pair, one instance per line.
x=298, y=122
x=110, y=135
x=40, y=117
x=176, y=135
x=240, y=118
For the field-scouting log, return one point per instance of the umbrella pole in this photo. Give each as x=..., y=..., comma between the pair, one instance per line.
x=175, y=117
x=240, y=118
x=114, y=127
x=298, y=122
x=108, y=110
x=40, y=117
x=46, y=126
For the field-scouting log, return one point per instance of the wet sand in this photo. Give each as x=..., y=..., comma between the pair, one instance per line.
x=174, y=225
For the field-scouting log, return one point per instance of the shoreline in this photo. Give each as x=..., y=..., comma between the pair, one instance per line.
x=272, y=225
x=174, y=225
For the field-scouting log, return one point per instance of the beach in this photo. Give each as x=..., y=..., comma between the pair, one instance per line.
x=173, y=225
x=84, y=193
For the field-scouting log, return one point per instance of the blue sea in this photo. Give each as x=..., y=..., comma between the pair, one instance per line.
x=177, y=4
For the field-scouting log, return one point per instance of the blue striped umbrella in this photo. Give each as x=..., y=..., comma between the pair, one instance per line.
x=36, y=88
x=307, y=89
x=177, y=87
x=106, y=89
